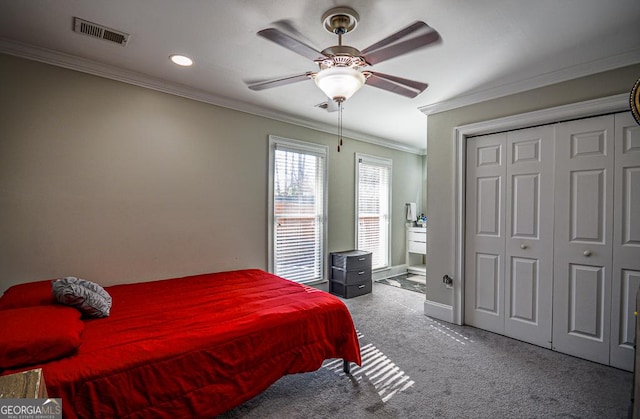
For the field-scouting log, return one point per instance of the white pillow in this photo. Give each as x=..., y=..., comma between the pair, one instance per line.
x=88, y=297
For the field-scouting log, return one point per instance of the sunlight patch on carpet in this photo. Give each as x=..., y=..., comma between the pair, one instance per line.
x=385, y=376
x=449, y=332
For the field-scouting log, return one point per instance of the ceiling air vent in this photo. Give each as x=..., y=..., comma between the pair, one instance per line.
x=99, y=31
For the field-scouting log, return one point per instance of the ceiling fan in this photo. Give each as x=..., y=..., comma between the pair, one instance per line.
x=341, y=67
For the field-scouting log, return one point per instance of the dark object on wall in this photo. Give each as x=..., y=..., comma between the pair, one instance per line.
x=634, y=101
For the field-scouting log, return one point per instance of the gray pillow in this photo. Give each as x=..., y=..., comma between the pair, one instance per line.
x=88, y=297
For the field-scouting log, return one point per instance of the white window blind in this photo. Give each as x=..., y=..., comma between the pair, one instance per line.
x=373, y=203
x=298, y=184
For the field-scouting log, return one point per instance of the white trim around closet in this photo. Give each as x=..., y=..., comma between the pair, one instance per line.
x=585, y=109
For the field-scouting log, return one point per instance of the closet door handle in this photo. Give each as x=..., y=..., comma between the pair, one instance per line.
x=587, y=253
x=523, y=246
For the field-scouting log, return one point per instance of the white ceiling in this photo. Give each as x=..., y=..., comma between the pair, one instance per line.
x=489, y=48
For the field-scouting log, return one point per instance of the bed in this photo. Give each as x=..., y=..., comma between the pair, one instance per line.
x=188, y=347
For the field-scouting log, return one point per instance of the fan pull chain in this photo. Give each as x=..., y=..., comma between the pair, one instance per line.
x=339, y=126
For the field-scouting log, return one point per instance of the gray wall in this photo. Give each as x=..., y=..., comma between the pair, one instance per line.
x=441, y=158
x=116, y=183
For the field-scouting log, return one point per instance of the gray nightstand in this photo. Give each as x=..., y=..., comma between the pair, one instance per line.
x=350, y=273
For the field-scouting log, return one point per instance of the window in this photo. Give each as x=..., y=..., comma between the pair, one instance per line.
x=297, y=209
x=373, y=207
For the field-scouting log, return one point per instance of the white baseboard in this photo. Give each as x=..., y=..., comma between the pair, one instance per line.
x=389, y=272
x=438, y=311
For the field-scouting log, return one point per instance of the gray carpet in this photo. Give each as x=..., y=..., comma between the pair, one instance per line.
x=417, y=367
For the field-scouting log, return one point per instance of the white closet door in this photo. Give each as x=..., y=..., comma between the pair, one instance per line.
x=485, y=232
x=528, y=285
x=626, y=241
x=583, y=238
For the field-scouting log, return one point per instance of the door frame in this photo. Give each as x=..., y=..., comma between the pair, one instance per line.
x=610, y=104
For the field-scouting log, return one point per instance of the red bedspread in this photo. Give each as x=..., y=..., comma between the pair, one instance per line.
x=198, y=346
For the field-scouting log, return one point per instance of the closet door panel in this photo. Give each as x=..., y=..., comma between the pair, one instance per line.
x=583, y=238
x=484, y=236
x=586, y=302
x=488, y=281
x=586, y=206
x=529, y=236
x=626, y=241
x=524, y=285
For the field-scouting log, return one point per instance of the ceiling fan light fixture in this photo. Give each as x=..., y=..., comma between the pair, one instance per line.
x=339, y=83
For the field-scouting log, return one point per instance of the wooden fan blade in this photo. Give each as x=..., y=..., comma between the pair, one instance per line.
x=395, y=37
x=416, y=85
x=400, y=48
x=280, y=82
x=376, y=80
x=290, y=43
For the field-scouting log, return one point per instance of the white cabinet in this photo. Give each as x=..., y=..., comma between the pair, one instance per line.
x=416, y=244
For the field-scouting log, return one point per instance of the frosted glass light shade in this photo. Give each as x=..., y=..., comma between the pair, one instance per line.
x=339, y=83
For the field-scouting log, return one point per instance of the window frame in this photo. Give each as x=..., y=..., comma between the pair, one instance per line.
x=374, y=161
x=304, y=147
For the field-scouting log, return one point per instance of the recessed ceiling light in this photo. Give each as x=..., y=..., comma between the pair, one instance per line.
x=181, y=60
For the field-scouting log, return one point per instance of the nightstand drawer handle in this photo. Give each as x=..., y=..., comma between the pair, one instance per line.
x=361, y=259
x=361, y=286
x=361, y=273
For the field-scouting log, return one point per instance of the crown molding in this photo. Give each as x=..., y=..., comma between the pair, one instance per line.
x=95, y=68
x=546, y=79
